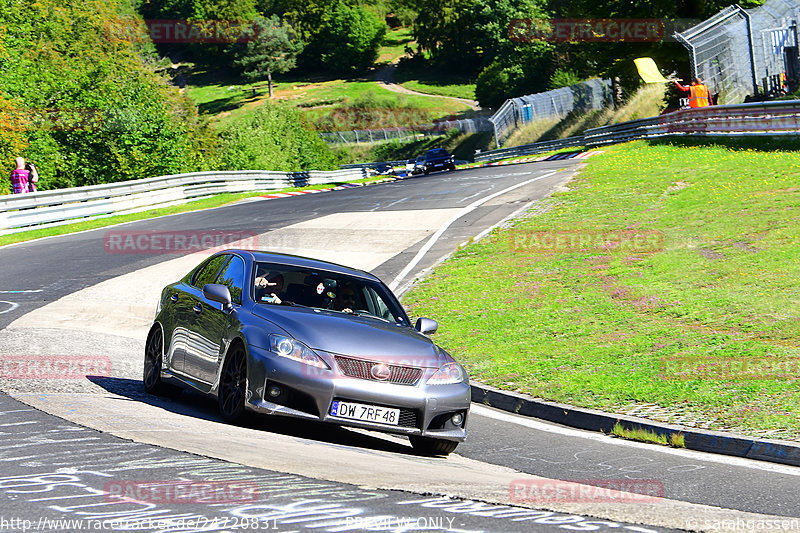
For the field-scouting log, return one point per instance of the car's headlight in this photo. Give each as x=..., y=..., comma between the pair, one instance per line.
x=293, y=349
x=448, y=374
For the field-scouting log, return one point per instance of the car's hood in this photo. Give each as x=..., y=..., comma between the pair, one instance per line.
x=362, y=337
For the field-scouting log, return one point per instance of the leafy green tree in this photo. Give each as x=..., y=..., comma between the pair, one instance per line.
x=563, y=78
x=350, y=38
x=468, y=35
x=271, y=47
x=199, y=9
x=94, y=109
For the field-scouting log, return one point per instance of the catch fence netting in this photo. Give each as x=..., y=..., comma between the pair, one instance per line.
x=555, y=104
x=439, y=127
x=740, y=53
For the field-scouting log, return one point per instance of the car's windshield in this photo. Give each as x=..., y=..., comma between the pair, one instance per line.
x=322, y=289
x=440, y=152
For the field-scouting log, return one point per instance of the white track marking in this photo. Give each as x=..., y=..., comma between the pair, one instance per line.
x=435, y=237
x=605, y=439
x=11, y=307
x=20, y=292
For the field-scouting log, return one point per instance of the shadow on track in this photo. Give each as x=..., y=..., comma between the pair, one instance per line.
x=198, y=406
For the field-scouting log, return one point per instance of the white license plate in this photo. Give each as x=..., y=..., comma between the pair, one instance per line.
x=366, y=413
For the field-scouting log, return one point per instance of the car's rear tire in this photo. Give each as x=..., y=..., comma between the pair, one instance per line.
x=232, y=385
x=153, y=362
x=431, y=446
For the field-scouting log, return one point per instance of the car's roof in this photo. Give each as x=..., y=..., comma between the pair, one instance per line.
x=437, y=151
x=299, y=261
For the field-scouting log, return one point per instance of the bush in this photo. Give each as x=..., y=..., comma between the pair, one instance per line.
x=350, y=38
x=497, y=83
x=275, y=137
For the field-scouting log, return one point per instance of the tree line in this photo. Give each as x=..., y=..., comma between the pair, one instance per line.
x=90, y=108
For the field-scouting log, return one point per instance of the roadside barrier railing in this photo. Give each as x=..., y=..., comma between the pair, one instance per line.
x=777, y=118
x=47, y=208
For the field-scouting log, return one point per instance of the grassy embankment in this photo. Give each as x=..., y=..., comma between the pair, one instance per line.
x=648, y=101
x=699, y=325
x=346, y=104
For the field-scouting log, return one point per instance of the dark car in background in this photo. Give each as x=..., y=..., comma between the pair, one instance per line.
x=302, y=338
x=438, y=159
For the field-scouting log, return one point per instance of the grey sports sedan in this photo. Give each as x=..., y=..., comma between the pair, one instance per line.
x=297, y=337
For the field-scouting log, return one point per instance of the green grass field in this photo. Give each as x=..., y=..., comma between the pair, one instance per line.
x=394, y=45
x=431, y=81
x=323, y=102
x=699, y=319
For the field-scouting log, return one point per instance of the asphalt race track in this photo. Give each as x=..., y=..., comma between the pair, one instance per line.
x=88, y=296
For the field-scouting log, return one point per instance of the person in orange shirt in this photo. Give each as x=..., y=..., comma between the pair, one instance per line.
x=699, y=95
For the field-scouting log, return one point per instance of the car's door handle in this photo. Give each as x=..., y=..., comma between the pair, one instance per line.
x=174, y=298
x=197, y=308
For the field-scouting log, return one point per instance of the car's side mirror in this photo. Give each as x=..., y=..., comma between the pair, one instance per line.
x=426, y=326
x=218, y=293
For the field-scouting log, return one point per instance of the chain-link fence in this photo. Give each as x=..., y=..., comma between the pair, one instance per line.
x=555, y=104
x=467, y=125
x=741, y=53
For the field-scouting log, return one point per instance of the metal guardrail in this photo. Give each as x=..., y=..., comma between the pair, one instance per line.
x=58, y=206
x=752, y=119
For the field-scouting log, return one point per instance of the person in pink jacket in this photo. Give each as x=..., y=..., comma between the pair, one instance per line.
x=24, y=178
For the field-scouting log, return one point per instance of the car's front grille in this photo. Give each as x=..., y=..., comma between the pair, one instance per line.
x=361, y=369
x=408, y=418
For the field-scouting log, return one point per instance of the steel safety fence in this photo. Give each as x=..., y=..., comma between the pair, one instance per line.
x=743, y=54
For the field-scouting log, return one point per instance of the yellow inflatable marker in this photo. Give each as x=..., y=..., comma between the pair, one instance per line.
x=648, y=70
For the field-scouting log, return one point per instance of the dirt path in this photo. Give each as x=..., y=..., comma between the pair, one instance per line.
x=385, y=76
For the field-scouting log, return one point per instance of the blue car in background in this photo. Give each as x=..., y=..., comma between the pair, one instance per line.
x=438, y=159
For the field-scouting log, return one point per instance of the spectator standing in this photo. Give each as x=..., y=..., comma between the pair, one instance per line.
x=20, y=178
x=699, y=95
x=33, y=177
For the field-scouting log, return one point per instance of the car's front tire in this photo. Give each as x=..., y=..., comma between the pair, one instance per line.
x=432, y=446
x=153, y=362
x=232, y=384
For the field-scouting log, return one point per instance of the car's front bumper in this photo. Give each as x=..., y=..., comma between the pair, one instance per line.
x=307, y=392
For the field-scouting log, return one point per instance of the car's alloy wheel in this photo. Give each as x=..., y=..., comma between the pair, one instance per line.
x=431, y=446
x=232, y=385
x=153, y=361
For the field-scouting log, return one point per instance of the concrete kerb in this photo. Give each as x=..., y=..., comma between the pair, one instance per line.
x=775, y=451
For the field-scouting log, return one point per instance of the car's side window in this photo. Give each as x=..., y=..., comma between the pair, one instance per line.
x=233, y=277
x=208, y=272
